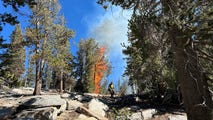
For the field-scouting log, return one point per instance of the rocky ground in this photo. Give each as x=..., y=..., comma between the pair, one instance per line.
x=20, y=104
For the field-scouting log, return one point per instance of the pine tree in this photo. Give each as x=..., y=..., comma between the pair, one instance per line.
x=49, y=39
x=185, y=25
x=39, y=35
x=4, y=62
x=17, y=51
x=8, y=18
x=91, y=66
x=156, y=66
x=61, y=57
x=13, y=59
x=86, y=58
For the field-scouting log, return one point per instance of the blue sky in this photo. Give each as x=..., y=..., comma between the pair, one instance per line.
x=90, y=20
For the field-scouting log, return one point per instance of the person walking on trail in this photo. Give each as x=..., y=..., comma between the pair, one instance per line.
x=111, y=89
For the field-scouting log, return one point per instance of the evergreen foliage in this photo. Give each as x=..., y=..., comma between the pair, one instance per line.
x=17, y=52
x=48, y=39
x=89, y=63
x=9, y=18
x=13, y=59
x=61, y=56
x=86, y=58
x=169, y=33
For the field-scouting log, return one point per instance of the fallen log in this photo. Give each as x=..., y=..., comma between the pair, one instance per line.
x=89, y=113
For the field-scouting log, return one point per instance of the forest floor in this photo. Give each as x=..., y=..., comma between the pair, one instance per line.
x=119, y=107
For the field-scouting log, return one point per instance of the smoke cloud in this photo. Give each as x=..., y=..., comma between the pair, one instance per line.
x=110, y=30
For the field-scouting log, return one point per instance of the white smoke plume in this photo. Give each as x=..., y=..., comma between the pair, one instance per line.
x=110, y=29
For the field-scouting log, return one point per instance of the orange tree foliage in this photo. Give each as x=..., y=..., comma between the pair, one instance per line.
x=99, y=69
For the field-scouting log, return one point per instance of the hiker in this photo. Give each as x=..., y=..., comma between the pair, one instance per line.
x=111, y=89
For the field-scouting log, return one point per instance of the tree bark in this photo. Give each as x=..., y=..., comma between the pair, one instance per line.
x=39, y=73
x=37, y=89
x=61, y=82
x=193, y=84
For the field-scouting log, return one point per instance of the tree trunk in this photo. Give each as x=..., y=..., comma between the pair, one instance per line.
x=61, y=82
x=25, y=81
x=193, y=84
x=39, y=73
x=41, y=69
x=37, y=89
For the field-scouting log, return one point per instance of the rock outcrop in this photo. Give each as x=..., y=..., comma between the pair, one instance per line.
x=45, y=107
x=73, y=104
x=98, y=107
x=47, y=113
x=17, y=104
x=44, y=101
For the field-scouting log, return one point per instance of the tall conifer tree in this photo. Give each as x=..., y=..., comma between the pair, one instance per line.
x=17, y=52
x=49, y=39
x=86, y=58
x=186, y=25
x=39, y=33
x=61, y=57
x=91, y=66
